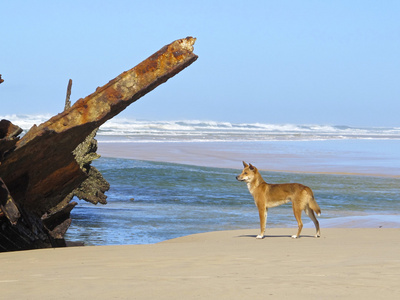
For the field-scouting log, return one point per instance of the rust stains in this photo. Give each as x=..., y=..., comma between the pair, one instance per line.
x=112, y=94
x=149, y=65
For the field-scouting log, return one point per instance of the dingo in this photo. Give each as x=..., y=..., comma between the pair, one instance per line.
x=270, y=195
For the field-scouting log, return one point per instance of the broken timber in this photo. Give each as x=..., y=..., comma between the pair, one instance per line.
x=40, y=172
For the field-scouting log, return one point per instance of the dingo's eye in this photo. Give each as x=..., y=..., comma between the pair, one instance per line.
x=245, y=173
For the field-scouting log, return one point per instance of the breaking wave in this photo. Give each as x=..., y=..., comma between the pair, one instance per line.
x=129, y=130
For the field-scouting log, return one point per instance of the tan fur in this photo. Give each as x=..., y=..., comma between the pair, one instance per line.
x=270, y=195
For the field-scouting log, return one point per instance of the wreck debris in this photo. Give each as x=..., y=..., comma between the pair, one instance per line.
x=68, y=97
x=8, y=137
x=42, y=169
x=92, y=189
x=8, y=206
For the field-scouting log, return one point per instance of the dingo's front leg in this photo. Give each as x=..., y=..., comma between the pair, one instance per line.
x=262, y=211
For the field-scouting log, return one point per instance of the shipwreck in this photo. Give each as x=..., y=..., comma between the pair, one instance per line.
x=42, y=171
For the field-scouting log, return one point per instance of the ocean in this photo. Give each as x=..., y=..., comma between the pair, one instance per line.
x=128, y=130
x=151, y=201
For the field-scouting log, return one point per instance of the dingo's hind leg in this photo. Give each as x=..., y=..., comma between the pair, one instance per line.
x=311, y=214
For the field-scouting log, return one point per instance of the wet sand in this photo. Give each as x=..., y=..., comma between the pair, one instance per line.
x=230, y=155
x=342, y=264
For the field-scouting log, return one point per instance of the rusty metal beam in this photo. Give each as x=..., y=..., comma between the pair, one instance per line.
x=110, y=99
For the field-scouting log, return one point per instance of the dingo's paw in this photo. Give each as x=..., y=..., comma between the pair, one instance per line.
x=259, y=236
x=294, y=236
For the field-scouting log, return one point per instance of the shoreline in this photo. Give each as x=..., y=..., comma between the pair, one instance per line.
x=224, y=155
x=343, y=263
x=348, y=263
x=213, y=154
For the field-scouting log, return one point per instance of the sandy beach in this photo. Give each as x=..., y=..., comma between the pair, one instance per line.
x=343, y=263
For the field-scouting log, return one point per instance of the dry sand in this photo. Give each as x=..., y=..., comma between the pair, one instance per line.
x=342, y=264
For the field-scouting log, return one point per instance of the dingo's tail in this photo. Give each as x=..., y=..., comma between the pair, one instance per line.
x=314, y=206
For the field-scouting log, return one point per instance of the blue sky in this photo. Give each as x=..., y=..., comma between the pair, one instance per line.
x=301, y=62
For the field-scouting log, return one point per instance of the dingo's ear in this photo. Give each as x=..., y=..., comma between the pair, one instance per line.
x=245, y=165
x=252, y=167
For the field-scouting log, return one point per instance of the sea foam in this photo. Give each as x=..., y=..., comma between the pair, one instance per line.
x=124, y=129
